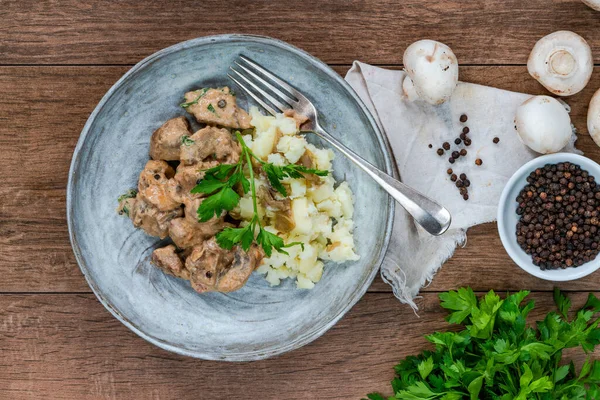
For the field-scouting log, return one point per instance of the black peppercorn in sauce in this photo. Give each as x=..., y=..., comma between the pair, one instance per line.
x=559, y=216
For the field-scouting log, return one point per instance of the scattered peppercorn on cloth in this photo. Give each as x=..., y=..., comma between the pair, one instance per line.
x=414, y=256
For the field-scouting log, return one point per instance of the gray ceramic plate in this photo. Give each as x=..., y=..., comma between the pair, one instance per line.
x=257, y=321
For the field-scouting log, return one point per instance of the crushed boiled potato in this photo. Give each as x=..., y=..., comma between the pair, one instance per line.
x=321, y=210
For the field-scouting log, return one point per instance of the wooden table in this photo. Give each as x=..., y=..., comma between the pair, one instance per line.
x=57, y=59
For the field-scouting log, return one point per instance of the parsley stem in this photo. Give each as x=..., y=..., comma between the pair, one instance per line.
x=247, y=152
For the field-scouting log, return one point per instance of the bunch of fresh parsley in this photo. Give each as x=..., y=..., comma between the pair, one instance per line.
x=498, y=356
x=222, y=184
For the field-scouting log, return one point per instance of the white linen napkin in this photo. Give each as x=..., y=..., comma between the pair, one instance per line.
x=414, y=256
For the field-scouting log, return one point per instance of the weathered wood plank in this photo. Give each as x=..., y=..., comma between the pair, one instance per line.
x=339, y=31
x=42, y=110
x=69, y=347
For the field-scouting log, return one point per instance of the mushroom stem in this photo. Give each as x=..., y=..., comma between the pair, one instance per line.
x=562, y=62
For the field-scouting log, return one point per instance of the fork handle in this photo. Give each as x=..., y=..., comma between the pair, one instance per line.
x=434, y=218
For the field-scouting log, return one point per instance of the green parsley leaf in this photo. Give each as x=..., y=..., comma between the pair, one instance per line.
x=131, y=193
x=475, y=387
x=562, y=302
x=208, y=185
x=223, y=200
x=425, y=367
x=276, y=173
x=561, y=373
x=186, y=141
x=592, y=303
x=268, y=241
x=229, y=237
x=462, y=303
x=211, y=109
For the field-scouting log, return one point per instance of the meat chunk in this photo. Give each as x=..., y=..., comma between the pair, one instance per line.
x=210, y=145
x=153, y=185
x=167, y=259
x=299, y=118
x=186, y=178
x=214, y=269
x=278, y=211
x=216, y=107
x=166, y=140
x=188, y=232
x=152, y=220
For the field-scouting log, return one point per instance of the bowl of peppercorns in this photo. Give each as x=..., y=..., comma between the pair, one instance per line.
x=549, y=217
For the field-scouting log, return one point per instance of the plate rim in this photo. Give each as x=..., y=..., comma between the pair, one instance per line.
x=255, y=355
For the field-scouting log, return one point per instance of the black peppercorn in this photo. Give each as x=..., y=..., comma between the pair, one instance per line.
x=453, y=177
x=449, y=171
x=478, y=161
x=446, y=146
x=457, y=141
x=451, y=160
x=463, y=152
x=558, y=212
x=463, y=118
x=463, y=176
x=467, y=142
x=440, y=152
x=496, y=140
x=455, y=154
x=430, y=145
x=466, y=130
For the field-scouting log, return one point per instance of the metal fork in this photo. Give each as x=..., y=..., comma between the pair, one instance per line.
x=434, y=218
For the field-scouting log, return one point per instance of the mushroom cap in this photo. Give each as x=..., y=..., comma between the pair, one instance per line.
x=433, y=69
x=562, y=62
x=595, y=4
x=543, y=124
x=593, y=117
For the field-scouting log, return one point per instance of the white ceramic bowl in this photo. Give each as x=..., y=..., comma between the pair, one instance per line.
x=508, y=218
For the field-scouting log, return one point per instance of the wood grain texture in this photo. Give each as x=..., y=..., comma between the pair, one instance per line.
x=37, y=139
x=56, y=343
x=337, y=31
x=70, y=347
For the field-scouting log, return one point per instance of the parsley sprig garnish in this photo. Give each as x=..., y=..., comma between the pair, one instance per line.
x=221, y=182
x=498, y=356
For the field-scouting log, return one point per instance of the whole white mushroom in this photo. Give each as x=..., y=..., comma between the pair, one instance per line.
x=593, y=117
x=595, y=4
x=562, y=62
x=543, y=124
x=432, y=69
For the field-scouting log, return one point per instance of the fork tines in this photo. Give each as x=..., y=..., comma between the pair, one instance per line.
x=254, y=80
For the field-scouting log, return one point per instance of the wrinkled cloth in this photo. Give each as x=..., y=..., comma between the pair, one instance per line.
x=413, y=255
